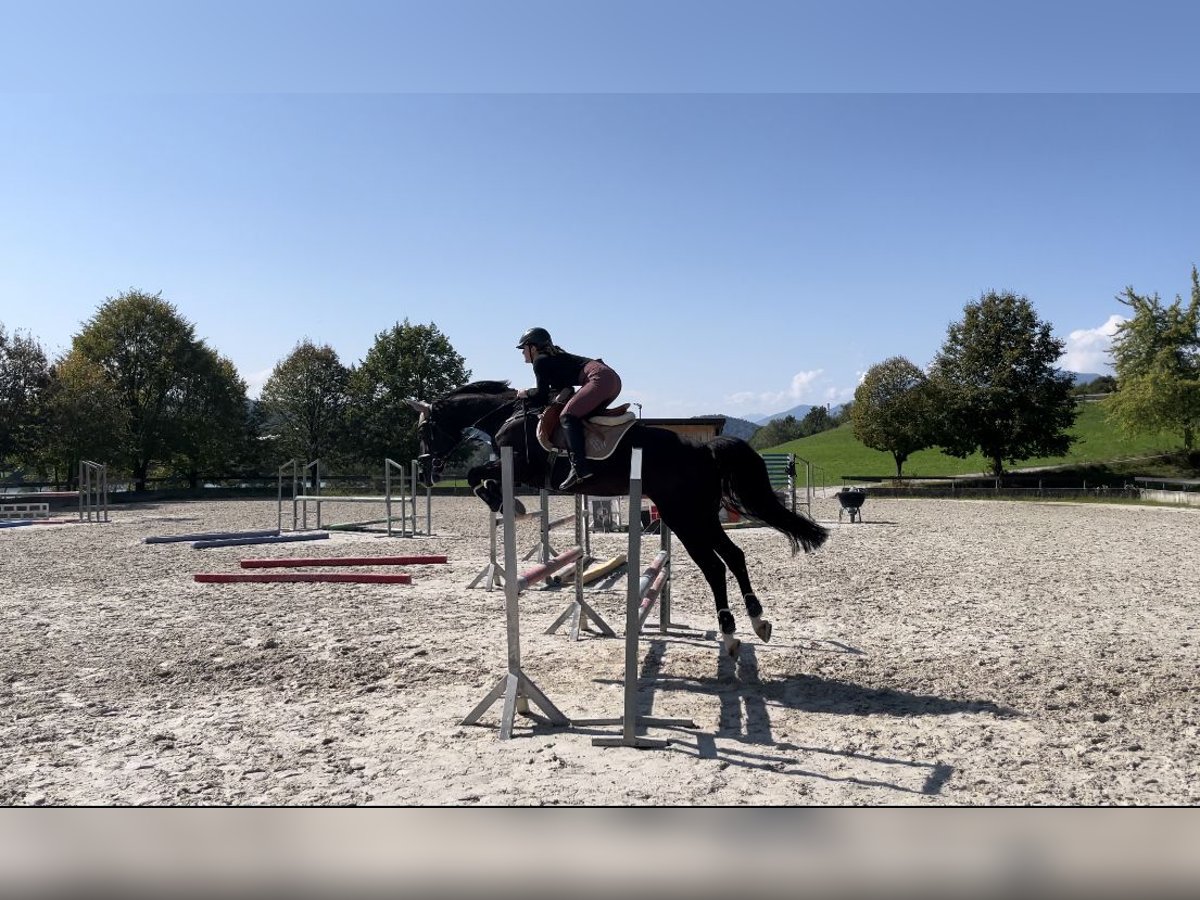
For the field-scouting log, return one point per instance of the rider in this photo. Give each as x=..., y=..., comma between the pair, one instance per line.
x=556, y=369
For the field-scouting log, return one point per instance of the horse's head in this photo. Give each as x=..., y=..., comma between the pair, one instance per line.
x=445, y=424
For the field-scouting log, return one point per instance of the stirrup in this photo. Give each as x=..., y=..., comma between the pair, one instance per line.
x=573, y=478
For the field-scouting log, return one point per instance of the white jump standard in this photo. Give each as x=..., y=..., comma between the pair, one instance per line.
x=637, y=589
x=579, y=612
x=514, y=686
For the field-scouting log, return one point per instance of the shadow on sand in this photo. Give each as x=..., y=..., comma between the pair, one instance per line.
x=744, y=733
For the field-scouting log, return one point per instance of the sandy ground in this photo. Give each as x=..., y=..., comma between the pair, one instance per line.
x=940, y=652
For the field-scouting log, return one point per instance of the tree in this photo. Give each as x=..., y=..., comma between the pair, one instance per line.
x=776, y=432
x=997, y=386
x=1156, y=354
x=304, y=403
x=815, y=421
x=893, y=410
x=23, y=379
x=85, y=416
x=149, y=351
x=1105, y=384
x=405, y=361
x=212, y=419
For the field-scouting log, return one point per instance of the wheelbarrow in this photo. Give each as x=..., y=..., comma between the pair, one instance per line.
x=851, y=501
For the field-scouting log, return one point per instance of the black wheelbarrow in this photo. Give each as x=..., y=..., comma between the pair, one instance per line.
x=851, y=500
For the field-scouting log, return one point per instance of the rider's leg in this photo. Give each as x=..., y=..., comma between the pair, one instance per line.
x=581, y=467
x=601, y=387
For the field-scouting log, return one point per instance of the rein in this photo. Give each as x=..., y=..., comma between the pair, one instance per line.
x=475, y=425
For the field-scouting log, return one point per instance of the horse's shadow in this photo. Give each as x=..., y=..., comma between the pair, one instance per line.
x=745, y=722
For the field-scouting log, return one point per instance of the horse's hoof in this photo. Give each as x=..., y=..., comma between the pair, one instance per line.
x=518, y=507
x=734, y=649
x=763, y=630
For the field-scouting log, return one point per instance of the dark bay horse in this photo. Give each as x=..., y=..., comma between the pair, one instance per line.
x=687, y=480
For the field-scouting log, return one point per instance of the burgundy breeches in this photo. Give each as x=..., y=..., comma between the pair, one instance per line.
x=601, y=385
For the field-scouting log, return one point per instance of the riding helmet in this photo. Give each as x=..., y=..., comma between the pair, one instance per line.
x=539, y=337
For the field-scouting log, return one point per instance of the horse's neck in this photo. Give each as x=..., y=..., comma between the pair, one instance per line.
x=484, y=413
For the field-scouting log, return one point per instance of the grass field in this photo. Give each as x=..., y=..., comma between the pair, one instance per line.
x=836, y=453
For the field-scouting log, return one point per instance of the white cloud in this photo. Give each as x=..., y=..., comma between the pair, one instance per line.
x=811, y=387
x=1087, y=348
x=255, y=382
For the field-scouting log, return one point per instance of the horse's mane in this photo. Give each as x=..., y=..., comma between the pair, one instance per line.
x=480, y=387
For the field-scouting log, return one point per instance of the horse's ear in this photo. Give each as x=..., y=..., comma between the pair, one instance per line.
x=420, y=406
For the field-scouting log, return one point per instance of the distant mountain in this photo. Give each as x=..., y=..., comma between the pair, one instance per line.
x=798, y=411
x=739, y=428
x=1084, y=377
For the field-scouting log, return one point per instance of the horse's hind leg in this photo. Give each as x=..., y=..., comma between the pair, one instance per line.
x=699, y=548
x=733, y=556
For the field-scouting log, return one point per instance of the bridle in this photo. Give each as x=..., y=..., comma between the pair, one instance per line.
x=427, y=422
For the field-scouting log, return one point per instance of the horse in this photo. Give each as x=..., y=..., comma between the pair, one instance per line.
x=688, y=480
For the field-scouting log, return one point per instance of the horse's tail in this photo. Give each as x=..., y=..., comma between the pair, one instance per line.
x=746, y=488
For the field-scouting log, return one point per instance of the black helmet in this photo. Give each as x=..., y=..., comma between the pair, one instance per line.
x=539, y=337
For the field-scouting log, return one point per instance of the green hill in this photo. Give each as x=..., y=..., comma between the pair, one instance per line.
x=838, y=453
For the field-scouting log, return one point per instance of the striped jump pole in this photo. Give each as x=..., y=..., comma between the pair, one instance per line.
x=546, y=569
x=514, y=685
x=342, y=561
x=652, y=584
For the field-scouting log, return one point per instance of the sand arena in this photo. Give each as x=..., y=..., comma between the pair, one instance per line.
x=941, y=652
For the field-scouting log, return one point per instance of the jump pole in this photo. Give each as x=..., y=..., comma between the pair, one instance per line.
x=206, y=536
x=342, y=561
x=630, y=720
x=243, y=541
x=303, y=577
x=514, y=685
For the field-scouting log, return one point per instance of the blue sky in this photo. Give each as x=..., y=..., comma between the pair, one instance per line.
x=739, y=206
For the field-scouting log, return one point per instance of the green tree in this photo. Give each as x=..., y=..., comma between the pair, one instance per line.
x=405, y=361
x=1156, y=354
x=24, y=376
x=149, y=351
x=212, y=419
x=893, y=410
x=1105, y=384
x=815, y=421
x=776, y=432
x=258, y=454
x=304, y=403
x=86, y=417
x=997, y=386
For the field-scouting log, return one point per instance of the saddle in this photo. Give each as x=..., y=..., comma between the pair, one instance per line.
x=602, y=430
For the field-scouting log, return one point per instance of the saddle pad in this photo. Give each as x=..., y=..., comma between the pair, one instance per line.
x=601, y=433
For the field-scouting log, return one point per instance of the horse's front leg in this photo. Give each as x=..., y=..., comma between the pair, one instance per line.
x=485, y=484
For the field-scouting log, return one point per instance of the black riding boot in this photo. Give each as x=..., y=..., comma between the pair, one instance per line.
x=581, y=468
